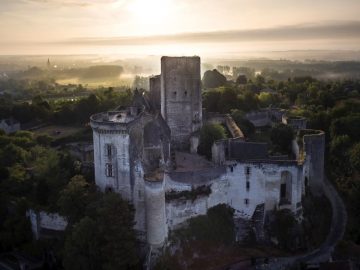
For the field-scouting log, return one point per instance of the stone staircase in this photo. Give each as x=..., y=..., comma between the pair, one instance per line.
x=243, y=229
x=258, y=219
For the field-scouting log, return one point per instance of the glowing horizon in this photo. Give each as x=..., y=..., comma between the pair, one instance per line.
x=143, y=27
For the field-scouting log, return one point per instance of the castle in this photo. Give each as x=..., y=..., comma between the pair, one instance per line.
x=147, y=153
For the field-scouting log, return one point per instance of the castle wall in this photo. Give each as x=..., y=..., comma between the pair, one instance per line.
x=259, y=118
x=155, y=91
x=314, y=146
x=231, y=188
x=218, y=152
x=181, y=97
x=139, y=200
x=155, y=212
x=297, y=123
x=119, y=160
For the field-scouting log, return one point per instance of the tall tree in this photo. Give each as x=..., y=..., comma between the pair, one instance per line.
x=208, y=135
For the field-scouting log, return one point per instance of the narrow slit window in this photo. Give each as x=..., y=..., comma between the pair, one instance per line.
x=246, y=201
x=109, y=150
x=109, y=170
x=247, y=185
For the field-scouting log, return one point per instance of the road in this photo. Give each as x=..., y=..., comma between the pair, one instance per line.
x=323, y=253
x=336, y=233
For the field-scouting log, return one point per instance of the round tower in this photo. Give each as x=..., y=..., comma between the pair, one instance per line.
x=111, y=151
x=155, y=211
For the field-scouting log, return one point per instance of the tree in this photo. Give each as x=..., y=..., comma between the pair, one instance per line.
x=355, y=157
x=211, y=100
x=241, y=79
x=208, y=135
x=105, y=239
x=228, y=100
x=116, y=226
x=283, y=228
x=349, y=125
x=281, y=136
x=248, y=101
x=260, y=80
x=266, y=99
x=213, y=79
x=82, y=246
x=74, y=198
x=245, y=125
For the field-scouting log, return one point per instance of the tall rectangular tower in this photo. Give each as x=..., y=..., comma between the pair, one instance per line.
x=181, y=105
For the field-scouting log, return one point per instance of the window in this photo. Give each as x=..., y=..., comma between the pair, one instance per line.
x=282, y=191
x=185, y=93
x=174, y=93
x=108, y=170
x=247, y=185
x=231, y=169
x=109, y=150
x=247, y=170
x=246, y=201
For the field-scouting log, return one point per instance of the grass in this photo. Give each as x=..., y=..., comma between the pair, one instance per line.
x=58, y=131
x=93, y=84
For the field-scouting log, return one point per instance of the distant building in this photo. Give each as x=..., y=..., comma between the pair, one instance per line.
x=9, y=125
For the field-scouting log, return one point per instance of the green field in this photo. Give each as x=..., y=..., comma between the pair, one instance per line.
x=57, y=131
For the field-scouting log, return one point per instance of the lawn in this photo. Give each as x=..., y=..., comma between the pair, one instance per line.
x=57, y=131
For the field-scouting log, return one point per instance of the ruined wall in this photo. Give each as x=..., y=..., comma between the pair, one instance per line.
x=314, y=147
x=43, y=220
x=259, y=118
x=155, y=92
x=194, y=143
x=297, y=123
x=218, y=152
x=139, y=200
x=243, y=186
x=181, y=97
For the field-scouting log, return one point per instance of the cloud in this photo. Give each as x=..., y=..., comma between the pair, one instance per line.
x=323, y=31
x=77, y=3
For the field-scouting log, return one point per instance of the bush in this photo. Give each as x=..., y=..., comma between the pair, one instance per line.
x=208, y=135
x=281, y=136
x=217, y=226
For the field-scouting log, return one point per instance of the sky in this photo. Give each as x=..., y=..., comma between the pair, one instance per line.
x=186, y=27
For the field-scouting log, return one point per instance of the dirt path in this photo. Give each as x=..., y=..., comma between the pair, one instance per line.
x=323, y=253
x=337, y=230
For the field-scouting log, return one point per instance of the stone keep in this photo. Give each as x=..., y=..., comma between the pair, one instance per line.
x=181, y=97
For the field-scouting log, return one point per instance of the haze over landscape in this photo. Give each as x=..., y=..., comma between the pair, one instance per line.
x=226, y=28
x=179, y=134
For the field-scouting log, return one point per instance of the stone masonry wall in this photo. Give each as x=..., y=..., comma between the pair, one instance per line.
x=181, y=97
